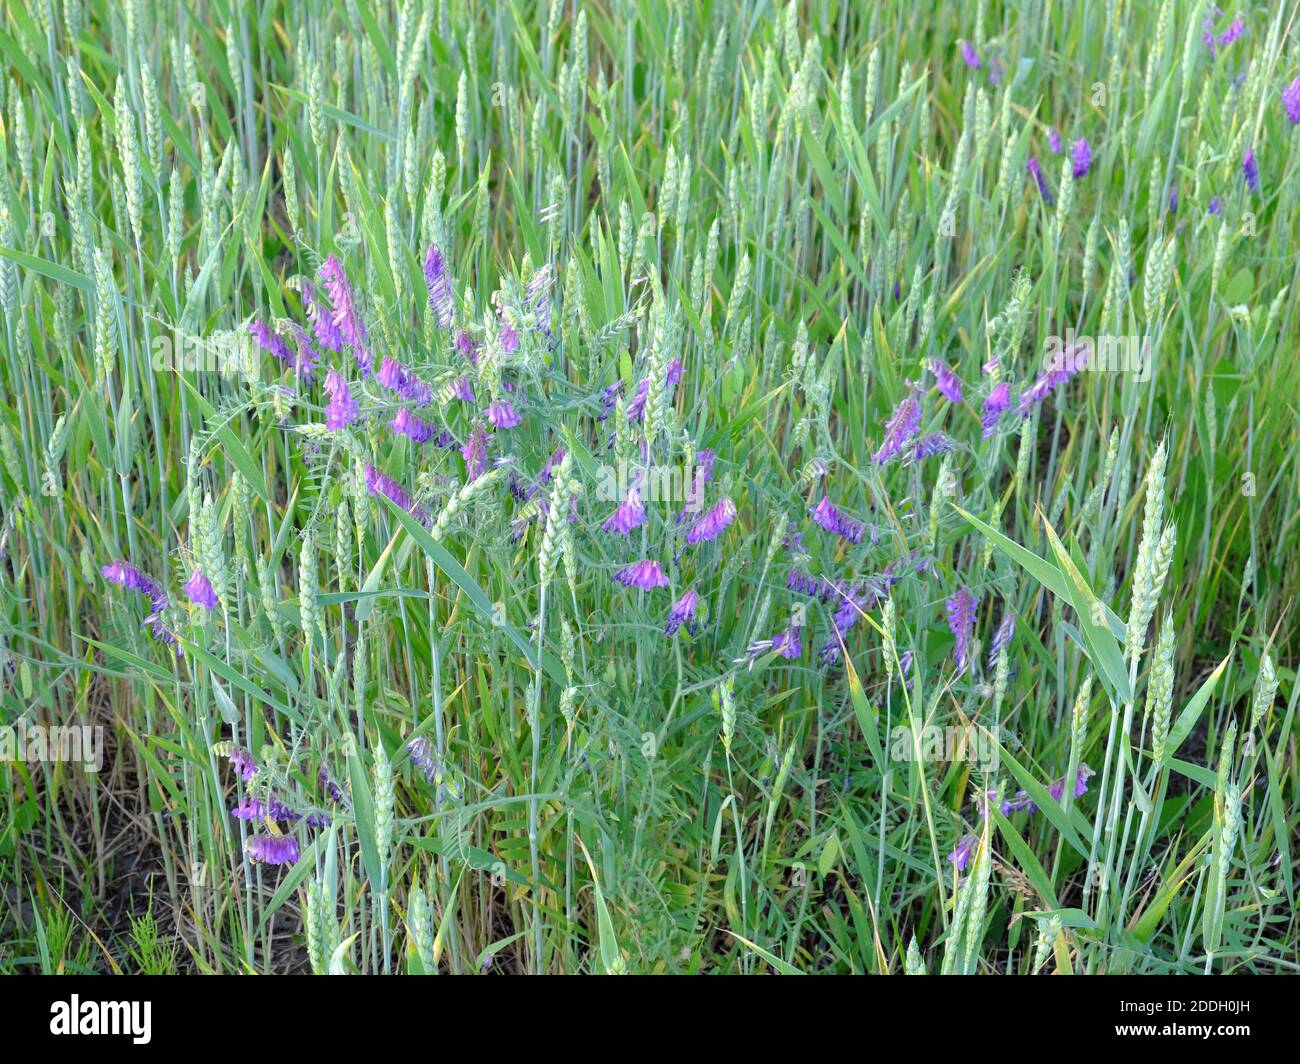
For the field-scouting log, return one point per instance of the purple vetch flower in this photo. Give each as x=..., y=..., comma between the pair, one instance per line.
x=969, y=56
x=1250, y=170
x=1233, y=32
x=712, y=523
x=465, y=345
x=126, y=575
x=945, y=380
x=1036, y=172
x=961, y=854
x=475, y=451
x=629, y=514
x=422, y=757
x=305, y=357
x=327, y=334
x=1055, y=373
x=501, y=414
x=1002, y=637
x=1054, y=140
x=1173, y=200
x=257, y=809
x=682, y=613
x=1291, y=102
x=608, y=397
x=643, y=574
x=929, y=445
x=960, y=610
x=412, y=427
x=240, y=760
x=378, y=483
x=462, y=389
x=269, y=341
x=1021, y=801
x=396, y=377
x=1081, y=157
x=199, y=591
x=852, y=606
x=331, y=789
x=787, y=644
x=346, y=318
x=272, y=849
x=342, y=409
x=1216, y=205
x=441, y=300
x=826, y=514
x=508, y=336
x=901, y=427
x=816, y=587
x=1057, y=788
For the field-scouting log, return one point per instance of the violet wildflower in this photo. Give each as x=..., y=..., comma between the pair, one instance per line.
x=1173, y=200
x=787, y=645
x=475, y=451
x=969, y=56
x=346, y=317
x=242, y=762
x=629, y=514
x=1054, y=140
x=826, y=514
x=342, y=409
x=1036, y=172
x=1052, y=376
x=1291, y=102
x=327, y=334
x=412, y=427
x=466, y=346
x=1002, y=637
x=441, y=300
x=331, y=789
x=378, y=483
x=1250, y=170
x=636, y=408
x=900, y=428
x=257, y=809
x=508, y=337
x=1216, y=205
x=199, y=591
x=1081, y=157
x=816, y=587
x=272, y=849
x=1233, y=32
x=852, y=606
x=270, y=342
x=961, y=854
x=682, y=613
x=126, y=575
x=462, y=389
x=931, y=444
x=421, y=751
x=1021, y=801
x=712, y=523
x=608, y=397
x=960, y=609
x=1057, y=788
x=643, y=574
x=396, y=377
x=501, y=414
x=945, y=380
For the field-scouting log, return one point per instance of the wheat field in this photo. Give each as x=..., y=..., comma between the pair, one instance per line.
x=620, y=486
